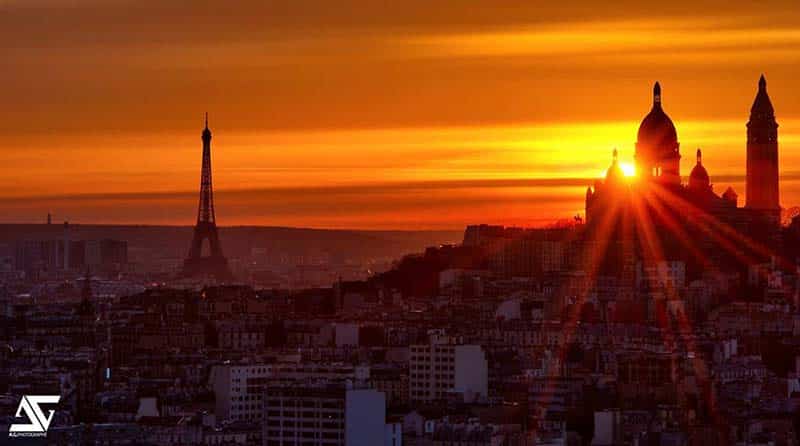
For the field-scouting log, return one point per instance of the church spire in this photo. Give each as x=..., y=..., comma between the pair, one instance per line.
x=657, y=95
x=762, y=106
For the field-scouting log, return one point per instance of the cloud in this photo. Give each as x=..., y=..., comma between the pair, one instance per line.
x=650, y=36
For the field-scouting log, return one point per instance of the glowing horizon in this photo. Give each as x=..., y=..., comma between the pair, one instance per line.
x=419, y=116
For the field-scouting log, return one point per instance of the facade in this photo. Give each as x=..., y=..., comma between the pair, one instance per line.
x=393, y=382
x=237, y=336
x=364, y=417
x=239, y=390
x=443, y=369
x=322, y=414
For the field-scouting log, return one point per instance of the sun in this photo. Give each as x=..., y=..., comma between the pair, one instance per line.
x=628, y=169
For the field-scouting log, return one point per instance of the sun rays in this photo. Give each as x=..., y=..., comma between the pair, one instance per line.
x=656, y=222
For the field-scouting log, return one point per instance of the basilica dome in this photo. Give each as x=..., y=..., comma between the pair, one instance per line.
x=657, y=137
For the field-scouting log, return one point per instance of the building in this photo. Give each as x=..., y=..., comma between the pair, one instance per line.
x=656, y=204
x=52, y=255
x=106, y=254
x=443, y=369
x=241, y=336
x=322, y=414
x=393, y=382
x=239, y=390
x=762, y=154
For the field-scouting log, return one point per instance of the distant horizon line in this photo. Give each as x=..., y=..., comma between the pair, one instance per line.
x=191, y=226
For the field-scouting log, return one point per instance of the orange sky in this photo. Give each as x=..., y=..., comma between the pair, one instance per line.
x=365, y=114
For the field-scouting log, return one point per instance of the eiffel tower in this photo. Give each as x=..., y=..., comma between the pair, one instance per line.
x=214, y=264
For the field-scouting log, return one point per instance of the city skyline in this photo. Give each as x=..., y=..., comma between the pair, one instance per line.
x=472, y=113
x=436, y=223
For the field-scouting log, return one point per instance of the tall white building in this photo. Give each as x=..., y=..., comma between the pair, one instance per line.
x=239, y=390
x=443, y=369
x=323, y=414
x=364, y=417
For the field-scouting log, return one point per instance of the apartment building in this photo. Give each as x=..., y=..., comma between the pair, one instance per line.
x=443, y=369
x=239, y=388
x=323, y=414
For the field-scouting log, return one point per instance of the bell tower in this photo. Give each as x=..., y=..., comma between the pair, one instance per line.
x=762, y=154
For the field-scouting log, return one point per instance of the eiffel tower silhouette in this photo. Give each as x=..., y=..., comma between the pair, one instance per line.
x=214, y=264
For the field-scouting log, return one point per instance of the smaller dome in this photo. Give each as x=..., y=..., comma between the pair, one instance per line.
x=614, y=174
x=699, y=179
x=730, y=195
